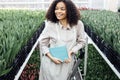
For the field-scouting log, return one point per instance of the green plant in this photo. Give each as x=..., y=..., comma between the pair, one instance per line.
x=16, y=28
x=97, y=68
x=31, y=71
x=105, y=24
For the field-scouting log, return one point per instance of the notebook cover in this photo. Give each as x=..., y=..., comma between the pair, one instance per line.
x=59, y=52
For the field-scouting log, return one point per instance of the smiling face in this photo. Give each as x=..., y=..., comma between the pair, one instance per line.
x=60, y=11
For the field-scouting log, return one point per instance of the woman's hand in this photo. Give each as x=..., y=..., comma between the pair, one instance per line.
x=55, y=60
x=69, y=57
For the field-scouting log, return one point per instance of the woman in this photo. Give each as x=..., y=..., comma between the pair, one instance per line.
x=62, y=27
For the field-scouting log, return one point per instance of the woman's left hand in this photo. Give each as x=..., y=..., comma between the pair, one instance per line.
x=69, y=57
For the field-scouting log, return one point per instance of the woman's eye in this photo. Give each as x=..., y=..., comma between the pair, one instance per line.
x=63, y=9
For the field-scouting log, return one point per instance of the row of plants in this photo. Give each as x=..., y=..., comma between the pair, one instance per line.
x=102, y=30
x=105, y=24
x=97, y=68
x=16, y=28
x=31, y=70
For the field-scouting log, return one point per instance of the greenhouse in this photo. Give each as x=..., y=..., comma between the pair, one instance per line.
x=21, y=25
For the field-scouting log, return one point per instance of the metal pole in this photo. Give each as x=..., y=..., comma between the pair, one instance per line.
x=85, y=59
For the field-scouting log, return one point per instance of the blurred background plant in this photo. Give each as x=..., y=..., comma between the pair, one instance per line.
x=31, y=70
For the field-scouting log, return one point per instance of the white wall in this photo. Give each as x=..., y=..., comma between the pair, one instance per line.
x=97, y=4
x=111, y=5
x=118, y=3
x=44, y=4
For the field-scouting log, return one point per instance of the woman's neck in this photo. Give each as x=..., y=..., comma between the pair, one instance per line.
x=63, y=23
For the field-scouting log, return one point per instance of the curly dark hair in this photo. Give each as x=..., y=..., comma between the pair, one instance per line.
x=73, y=14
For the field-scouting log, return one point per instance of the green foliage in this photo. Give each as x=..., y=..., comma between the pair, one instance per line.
x=106, y=24
x=16, y=28
x=97, y=68
x=31, y=71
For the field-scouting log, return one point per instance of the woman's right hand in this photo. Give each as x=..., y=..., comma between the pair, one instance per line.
x=55, y=60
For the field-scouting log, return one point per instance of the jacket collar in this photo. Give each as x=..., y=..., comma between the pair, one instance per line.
x=62, y=27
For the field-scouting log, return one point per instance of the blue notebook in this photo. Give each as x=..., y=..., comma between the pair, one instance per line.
x=59, y=52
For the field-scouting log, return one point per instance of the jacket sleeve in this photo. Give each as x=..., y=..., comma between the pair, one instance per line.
x=81, y=38
x=45, y=38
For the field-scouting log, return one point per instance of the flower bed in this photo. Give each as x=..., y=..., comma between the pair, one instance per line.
x=97, y=68
x=31, y=71
x=105, y=24
x=103, y=28
x=16, y=29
